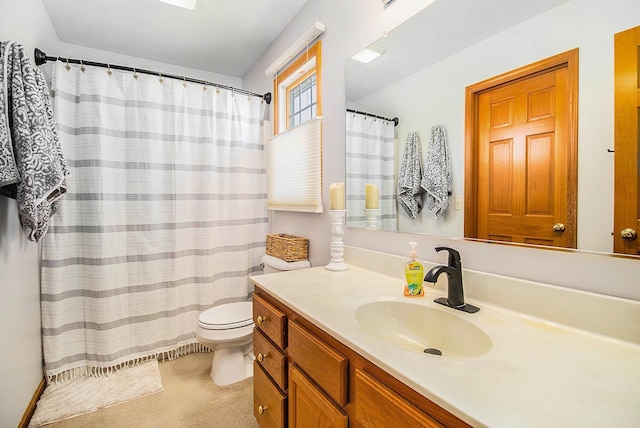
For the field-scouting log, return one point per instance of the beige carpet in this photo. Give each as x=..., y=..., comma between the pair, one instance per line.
x=189, y=399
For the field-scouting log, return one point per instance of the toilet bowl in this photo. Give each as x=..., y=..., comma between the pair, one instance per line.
x=227, y=330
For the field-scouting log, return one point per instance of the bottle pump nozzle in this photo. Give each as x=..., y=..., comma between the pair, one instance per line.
x=413, y=253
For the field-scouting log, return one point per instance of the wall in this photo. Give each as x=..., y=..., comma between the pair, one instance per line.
x=24, y=22
x=80, y=52
x=360, y=23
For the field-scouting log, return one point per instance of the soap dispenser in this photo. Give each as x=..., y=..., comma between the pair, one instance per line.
x=414, y=274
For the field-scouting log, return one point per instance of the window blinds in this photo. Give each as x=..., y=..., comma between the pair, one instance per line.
x=294, y=169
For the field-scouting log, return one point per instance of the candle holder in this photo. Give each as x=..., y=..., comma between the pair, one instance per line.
x=337, y=246
x=372, y=217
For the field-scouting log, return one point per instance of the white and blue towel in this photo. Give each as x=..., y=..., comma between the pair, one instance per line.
x=409, y=190
x=437, y=180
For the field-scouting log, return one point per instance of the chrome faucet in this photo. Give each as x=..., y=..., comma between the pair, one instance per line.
x=455, y=293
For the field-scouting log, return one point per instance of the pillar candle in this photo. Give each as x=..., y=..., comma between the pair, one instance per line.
x=336, y=196
x=371, y=197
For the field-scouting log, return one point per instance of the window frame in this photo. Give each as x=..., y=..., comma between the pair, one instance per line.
x=282, y=106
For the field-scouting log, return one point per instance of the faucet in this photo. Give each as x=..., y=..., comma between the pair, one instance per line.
x=455, y=293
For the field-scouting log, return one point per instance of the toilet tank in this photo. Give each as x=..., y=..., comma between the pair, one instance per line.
x=274, y=264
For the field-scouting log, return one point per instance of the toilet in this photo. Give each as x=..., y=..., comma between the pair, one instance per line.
x=274, y=264
x=228, y=331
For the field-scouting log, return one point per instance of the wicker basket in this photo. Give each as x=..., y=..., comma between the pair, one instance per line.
x=287, y=247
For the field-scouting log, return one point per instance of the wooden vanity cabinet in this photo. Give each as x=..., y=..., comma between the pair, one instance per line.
x=309, y=406
x=270, y=366
x=377, y=405
x=331, y=385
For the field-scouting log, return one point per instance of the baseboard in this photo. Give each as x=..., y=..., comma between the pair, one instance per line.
x=31, y=408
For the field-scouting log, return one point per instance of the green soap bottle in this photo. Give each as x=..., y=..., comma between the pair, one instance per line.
x=414, y=274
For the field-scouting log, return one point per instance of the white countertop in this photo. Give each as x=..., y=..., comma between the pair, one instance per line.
x=537, y=373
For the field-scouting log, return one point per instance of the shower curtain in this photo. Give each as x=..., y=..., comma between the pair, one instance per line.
x=165, y=216
x=370, y=148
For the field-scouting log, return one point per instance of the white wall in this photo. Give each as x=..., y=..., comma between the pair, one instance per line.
x=359, y=23
x=80, y=52
x=24, y=22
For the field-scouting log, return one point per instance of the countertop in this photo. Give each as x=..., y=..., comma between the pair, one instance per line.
x=537, y=373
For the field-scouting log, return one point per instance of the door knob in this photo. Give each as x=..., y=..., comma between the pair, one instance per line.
x=628, y=234
x=558, y=227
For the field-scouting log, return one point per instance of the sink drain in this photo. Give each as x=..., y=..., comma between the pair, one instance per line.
x=432, y=351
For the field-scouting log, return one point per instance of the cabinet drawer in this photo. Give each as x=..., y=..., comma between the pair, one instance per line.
x=271, y=358
x=269, y=403
x=323, y=364
x=379, y=406
x=270, y=320
x=310, y=407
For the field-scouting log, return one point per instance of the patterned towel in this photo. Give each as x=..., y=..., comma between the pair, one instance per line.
x=409, y=191
x=32, y=166
x=437, y=181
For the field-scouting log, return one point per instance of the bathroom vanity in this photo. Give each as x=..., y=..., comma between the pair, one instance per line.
x=349, y=349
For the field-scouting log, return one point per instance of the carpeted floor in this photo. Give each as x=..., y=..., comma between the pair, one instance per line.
x=189, y=399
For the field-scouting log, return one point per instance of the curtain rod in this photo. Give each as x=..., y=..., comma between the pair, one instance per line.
x=395, y=120
x=42, y=58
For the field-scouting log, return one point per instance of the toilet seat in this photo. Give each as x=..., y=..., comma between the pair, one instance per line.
x=226, y=317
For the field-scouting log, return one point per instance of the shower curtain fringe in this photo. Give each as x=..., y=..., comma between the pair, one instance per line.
x=92, y=371
x=42, y=58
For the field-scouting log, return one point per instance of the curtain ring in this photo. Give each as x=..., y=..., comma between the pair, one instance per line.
x=135, y=74
x=217, y=89
x=109, y=72
x=82, y=68
x=160, y=79
x=67, y=67
x=184, y=82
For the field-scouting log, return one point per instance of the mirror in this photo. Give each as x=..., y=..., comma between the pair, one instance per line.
x=421, y=75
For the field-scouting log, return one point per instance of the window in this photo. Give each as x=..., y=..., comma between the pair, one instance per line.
x=297, y=90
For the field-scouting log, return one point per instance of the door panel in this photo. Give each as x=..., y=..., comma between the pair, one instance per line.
x=522, y=162
x=627, y=136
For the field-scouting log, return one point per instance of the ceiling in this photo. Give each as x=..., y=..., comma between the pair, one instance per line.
x=225, y=36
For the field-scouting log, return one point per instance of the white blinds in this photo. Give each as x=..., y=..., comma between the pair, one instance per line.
x=294, y=169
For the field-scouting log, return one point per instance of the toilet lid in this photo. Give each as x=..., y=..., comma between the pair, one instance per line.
x=227, y=316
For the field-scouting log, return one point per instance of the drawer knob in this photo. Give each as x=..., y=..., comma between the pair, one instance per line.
x=261, y=320
x=262, y=357
x=262, y=409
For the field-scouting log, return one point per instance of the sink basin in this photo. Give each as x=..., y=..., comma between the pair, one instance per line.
x=423, y=329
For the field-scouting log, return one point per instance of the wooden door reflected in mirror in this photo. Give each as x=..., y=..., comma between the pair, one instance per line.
x=521, y=163
x=627, y=137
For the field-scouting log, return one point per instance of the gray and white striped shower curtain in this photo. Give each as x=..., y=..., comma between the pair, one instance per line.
x=165, y=217
x=370, y=152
